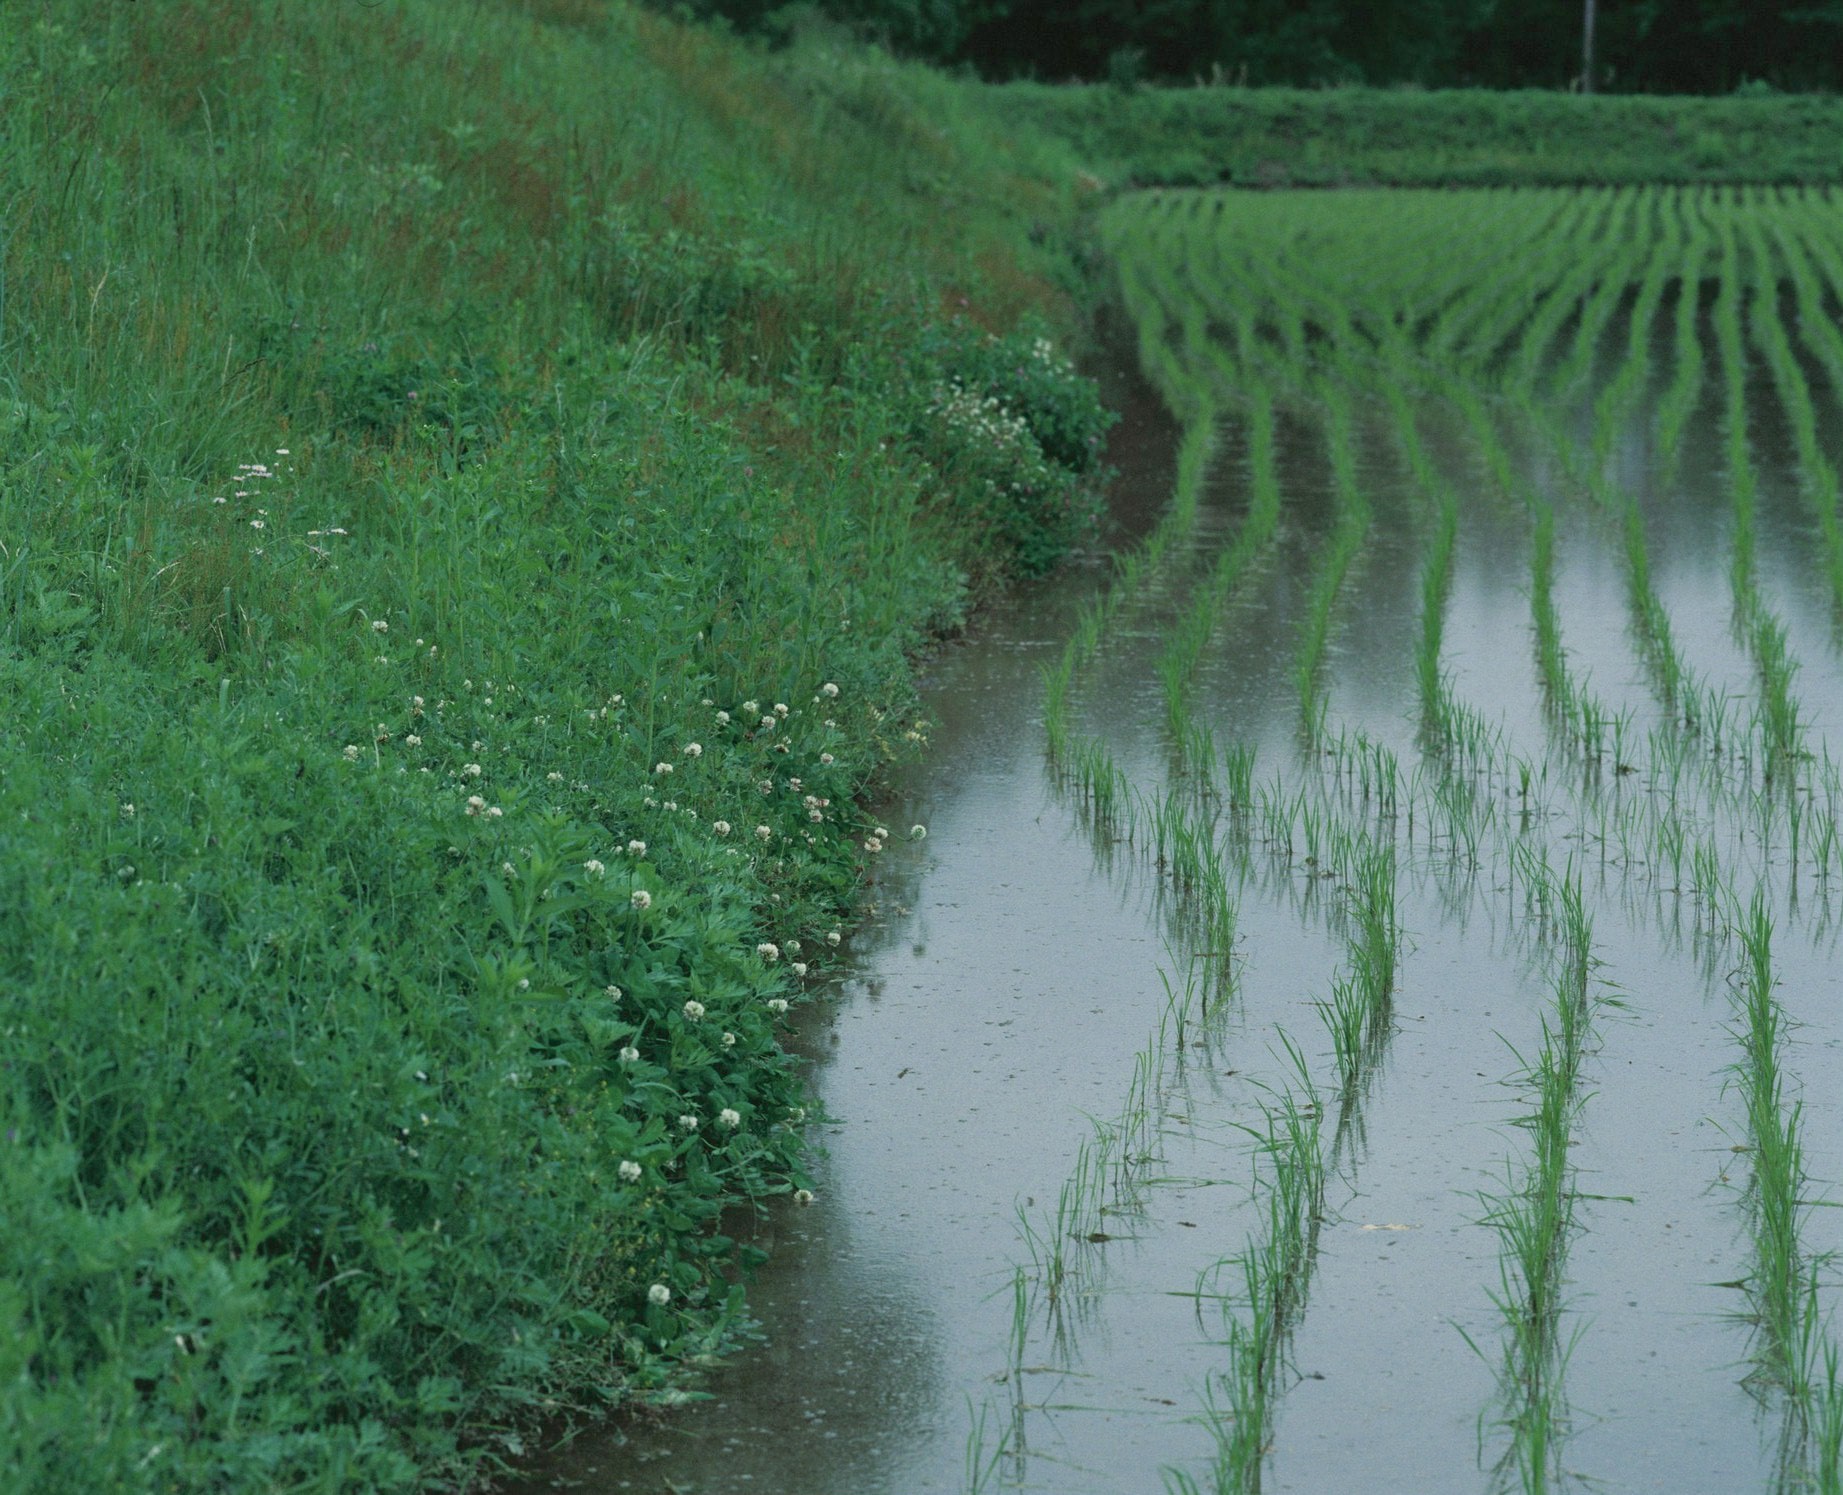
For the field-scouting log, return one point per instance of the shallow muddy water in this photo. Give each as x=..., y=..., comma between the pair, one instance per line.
x=1012, y=986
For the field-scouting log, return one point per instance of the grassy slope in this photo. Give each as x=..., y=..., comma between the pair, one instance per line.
x=418, y=424
x=1292, y=137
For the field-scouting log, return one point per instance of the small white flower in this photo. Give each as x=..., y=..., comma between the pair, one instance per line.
x=750, y=708
x=769, y=723
x=816, y=816
x=881, y=834
x=768, y=952
x=471, y=770
x=412, y=741
x=729, y=1040
x=127, y=810
x=764, y=833
x=662, y=768
x=688, y=1122
x=524, y=983
x=728, y=1117
x=630, y=1172
x=612, y=992
x=833, y=937
x=378, y=625
x=792, y=947
x=694, y=1010
x=918, y=833
x=593, y=867
x=553, y=777
x=659, y=1295
x=777, y=1005
x=694, y=750
x=799, y=967
x=351, y=753
x=493, y=812
x=827, y=759
x=721, y=827
x=829, y=689
x=630, y=1055
x=873, y=844
x=796, y=1115
x=723, y=718
x=803, y=1197
x=642, y=900
x=780, y=708
x=636, y=848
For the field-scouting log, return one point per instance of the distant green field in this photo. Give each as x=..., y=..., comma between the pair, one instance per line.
x=1334, y=137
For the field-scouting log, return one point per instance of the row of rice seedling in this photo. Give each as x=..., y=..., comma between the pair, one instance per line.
x=1714, y=792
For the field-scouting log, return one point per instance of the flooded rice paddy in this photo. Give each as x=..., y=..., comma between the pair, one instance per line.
x=1367, y=1013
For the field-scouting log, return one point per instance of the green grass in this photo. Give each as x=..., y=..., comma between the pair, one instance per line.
x=464, y=525
x=1277, y=137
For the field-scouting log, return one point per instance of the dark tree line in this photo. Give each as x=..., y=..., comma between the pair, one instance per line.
x=1661, y=46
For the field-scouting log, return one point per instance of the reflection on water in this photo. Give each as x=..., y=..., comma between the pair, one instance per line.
x=1009, y=972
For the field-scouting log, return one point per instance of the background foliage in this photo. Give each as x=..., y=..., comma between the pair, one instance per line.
x=1693, y=46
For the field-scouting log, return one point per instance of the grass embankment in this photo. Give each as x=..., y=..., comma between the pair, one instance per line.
x=1459, y=137
x=470, y=484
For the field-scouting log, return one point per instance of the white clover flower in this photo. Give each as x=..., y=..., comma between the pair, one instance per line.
x=728, y=1117
x=688, y=1122
x=918, y=833
x=792, y=947
x=780, y=708
x=769, y=723
x=827, y=760
x=723, y=718
x=768, y=952
x=777, y=1005
x=796, y=1115
x=412, y=741
x=829, y=689
x=694, y=750
x=764, y=833
x=127, y=810
x=416, y=702
x=873, y=845
x=630, y=1055
x=642, y=900
x=833, y=937
x=593, y=867
x=721, y=827
x=508, y=869
x=636, y=848
x=799, y=968
x=553, y=777
x=378, y=625
x=694, y=1010
x=881, y=833
x=659, y=1295
x=751, y=708
x=613, y=992
x=816, y=816
x=475, y=804
x=493, y=812
x=803, y=1197
x=766, y=786
x=729, y=1040
x=662, y=768
x=351, y=753
x=630, y=1172
x=472, y=770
